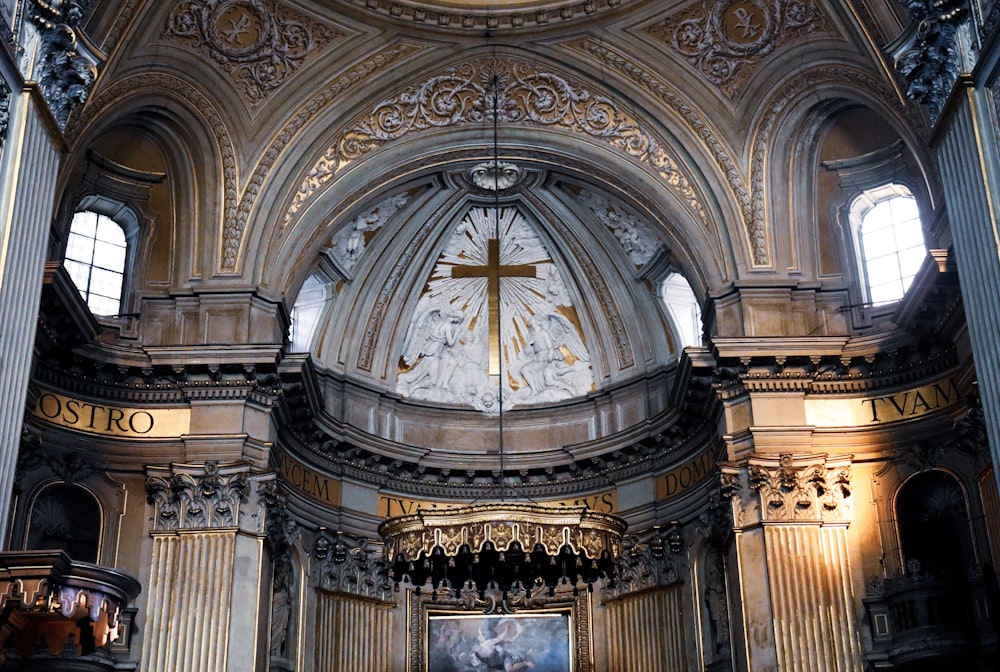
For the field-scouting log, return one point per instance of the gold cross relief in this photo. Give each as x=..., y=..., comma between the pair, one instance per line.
x=493, y=270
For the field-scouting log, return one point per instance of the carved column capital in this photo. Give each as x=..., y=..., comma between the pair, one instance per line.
x=930, y=59
x=789, y=488
x=207, y=496
x=350, y=565
x=67, y=65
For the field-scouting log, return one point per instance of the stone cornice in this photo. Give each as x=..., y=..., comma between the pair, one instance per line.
x=835, y=365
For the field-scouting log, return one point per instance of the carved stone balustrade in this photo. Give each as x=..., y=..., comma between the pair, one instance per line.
x=923, y=621
x=60, y=614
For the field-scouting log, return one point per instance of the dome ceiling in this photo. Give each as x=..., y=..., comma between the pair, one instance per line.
x=532, y=298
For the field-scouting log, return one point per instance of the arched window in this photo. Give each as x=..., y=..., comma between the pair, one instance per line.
x=308, y=308
x=65, y=517
x=96, y=253
x=683, y=308
x=890, y=241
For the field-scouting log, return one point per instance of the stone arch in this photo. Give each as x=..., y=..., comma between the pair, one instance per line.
x=396, y=132
x=783, y=149
x=194, y=147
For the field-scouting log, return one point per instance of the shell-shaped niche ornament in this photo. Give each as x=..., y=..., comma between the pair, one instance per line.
x=494, y=309
x=495, y=175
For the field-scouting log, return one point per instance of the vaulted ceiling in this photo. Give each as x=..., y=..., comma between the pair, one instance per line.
x=341, y=146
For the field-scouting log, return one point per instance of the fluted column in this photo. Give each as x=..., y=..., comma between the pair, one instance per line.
x=970, y=172
x=208, y=531
x=790, y=519
x=29, y=161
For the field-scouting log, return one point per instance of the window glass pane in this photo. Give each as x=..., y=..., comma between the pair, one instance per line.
x=109, y=256
x=101, y=305
x=879, y=242
x=95, y=259
x=80, y=273
x=109, y=231
x=911, y=260
x=85, y=223
x=892, y=243
x=79, y=248
x=882, y=294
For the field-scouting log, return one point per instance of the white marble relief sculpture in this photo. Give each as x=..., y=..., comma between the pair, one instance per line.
x=636, y=237
x=494, y=308
x=348, y=244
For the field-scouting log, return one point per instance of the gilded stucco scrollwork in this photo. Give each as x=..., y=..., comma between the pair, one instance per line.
x=725, y=42
x=699, y=126
x=525, y=95
x=259, y=43
x=789, y=488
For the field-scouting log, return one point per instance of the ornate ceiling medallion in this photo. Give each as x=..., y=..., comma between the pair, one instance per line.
x=726, y=41
x=258, y=42
x=513, y=547
x=495, y=175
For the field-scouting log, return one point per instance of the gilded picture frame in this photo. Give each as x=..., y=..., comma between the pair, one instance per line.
x=551, y=636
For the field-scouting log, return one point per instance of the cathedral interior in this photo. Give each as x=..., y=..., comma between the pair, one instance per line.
x=475, y=335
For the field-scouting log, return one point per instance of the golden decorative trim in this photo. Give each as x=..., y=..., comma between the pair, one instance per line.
x=501, y=524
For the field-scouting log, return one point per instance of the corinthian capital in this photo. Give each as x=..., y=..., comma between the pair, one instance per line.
x=207, y=496
x=789, y=488
x=67, y=65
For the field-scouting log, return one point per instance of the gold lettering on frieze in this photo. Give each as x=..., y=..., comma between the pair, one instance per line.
x=390, y=506
x=876, y=410
x=683, y=477
x=85, y=416
x=310, y=483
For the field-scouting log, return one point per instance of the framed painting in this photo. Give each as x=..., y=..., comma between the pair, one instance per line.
x=553, y=638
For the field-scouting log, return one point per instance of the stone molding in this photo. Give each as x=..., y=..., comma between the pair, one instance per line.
x=789, y=489
x=428, y=13
x=207, y=496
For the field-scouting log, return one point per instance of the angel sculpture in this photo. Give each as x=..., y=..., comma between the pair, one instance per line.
x=431, y=348
x=543, y=365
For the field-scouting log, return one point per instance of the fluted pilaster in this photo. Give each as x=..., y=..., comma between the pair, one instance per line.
x=791, y=515
x=29, y=162
x=352, y=633
x=970, y=173
x=208, y=531
x=646, y=631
